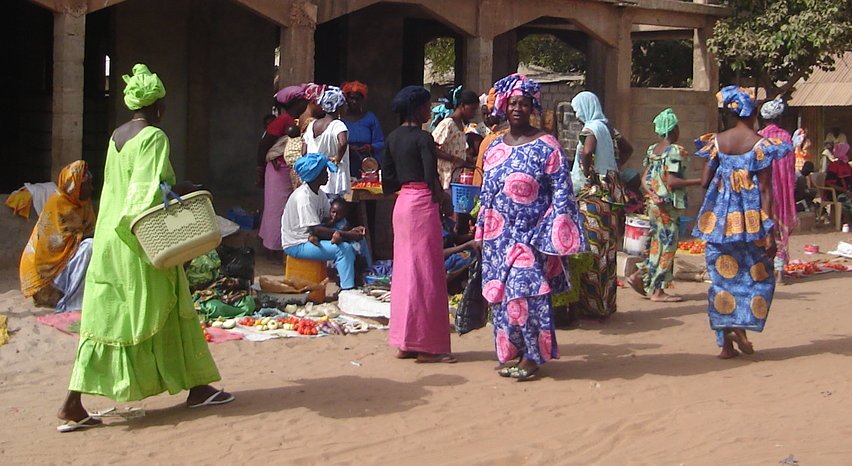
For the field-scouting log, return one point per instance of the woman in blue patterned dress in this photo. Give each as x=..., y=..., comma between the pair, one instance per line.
x=736, y=221
x=528, y=225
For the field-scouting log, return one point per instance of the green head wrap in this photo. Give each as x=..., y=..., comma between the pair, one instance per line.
x=143, y=88
x=665, y=122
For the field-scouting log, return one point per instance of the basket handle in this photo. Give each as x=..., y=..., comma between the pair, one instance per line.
x=167, y=192
x=481, y=171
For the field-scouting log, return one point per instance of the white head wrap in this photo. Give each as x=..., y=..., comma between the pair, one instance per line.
x=772, y=109
x=331, y=99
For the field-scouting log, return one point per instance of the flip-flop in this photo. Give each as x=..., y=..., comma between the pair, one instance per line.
x=524, y=375
x=742, y=344
x=507, y=371
x=637, y=287
x=668, y=299
x=212, y=401
x=400, y=354
x=85, y=423
x=437, y=358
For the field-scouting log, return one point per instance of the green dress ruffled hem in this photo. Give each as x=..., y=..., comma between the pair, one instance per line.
x=175, y=359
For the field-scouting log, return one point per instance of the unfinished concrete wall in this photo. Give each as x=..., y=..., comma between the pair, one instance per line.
x=216, y=60
x=165, y=52
x=691, y=109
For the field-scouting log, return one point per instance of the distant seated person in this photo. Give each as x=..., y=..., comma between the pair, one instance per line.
x=337, y=220
x=803, y=191
x=54, y=262
x=458, y=248
x=303, y=234
x=838, y=173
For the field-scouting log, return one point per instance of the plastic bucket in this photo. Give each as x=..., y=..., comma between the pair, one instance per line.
x=464, y=197
x=636, y=233
x=683, y=226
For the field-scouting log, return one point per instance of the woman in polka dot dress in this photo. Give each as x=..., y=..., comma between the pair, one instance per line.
x=528, y=224
x=736, y=221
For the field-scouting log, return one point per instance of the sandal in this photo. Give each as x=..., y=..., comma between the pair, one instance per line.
x=425, y=358
x=523, y=375
x=669, y=298
x=507, y=371
x=637, y=286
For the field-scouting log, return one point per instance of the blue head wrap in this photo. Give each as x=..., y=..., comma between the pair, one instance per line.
x=448, y=104
x=309, y=166
x=738, y=100
x=408, y=99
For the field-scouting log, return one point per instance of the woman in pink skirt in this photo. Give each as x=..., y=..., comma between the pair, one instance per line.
x=419, y=322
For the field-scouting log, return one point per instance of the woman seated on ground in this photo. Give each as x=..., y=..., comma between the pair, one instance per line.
x=53, y=265
x=302, y=233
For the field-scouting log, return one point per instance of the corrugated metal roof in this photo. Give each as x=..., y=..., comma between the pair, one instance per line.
x=826, y=88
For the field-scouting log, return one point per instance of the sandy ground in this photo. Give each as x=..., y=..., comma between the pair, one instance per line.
x=643, y=388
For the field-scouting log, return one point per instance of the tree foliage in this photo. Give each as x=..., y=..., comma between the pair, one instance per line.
x=777, y=42
x=440, y=55
x=548, y=51
x=662, y=63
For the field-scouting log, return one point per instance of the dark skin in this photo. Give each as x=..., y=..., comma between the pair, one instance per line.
x=294, y=109
x=739, y=140
x=72, y=408
x=342, y=139
x=322, y=232
x=355, y=110
x=416, y=119
x=672, y=182
x=461, y=116
x=518, y=113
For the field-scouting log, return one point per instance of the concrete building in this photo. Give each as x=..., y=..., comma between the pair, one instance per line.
x=216, y=59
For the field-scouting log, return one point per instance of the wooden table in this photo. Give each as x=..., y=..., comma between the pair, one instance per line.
x=360, y=196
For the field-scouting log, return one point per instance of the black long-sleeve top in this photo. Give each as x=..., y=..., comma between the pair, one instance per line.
x=409, y=157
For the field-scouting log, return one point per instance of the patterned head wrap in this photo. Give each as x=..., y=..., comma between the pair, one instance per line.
x=332, y=99
x=71, y=179
x=314, y=91
x=311, y=165
x=446, y=106
x=355, y=86
x=143, y=88
x=290, y=93
x=491, y=99
x=512, y=85
x=738, y=100
x=408, y=99
x=772, y=109
x=665, y=122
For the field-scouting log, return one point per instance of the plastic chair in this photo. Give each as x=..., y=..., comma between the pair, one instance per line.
x=827, y=202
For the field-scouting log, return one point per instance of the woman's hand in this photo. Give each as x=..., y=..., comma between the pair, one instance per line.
x=657, y=199
x=336, y=237
x=360, y=231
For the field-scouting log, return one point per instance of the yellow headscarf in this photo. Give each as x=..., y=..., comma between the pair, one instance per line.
x=64, y=221
x=143, y=88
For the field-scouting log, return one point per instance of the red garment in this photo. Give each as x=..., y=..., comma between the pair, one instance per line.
x=279, y=125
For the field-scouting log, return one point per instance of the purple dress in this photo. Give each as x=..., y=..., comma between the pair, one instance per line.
x=529, y=225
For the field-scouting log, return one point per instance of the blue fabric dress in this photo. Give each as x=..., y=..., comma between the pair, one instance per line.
x=735, y=226
x=366, y=130
x=529, y=224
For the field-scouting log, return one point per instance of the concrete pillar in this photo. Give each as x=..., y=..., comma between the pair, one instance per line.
x=705, y=71
x=479, y=61
x=69, y=39
x=296, y=63
x=619, y=68
x=297, y=47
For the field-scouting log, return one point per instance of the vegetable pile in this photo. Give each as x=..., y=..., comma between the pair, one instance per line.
x=692, y=247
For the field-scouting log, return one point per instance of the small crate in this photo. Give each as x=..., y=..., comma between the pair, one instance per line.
x=180, y=232
x=312, y=271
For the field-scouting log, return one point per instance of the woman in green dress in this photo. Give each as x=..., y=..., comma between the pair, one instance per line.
x=664, y=183
x=139, y=334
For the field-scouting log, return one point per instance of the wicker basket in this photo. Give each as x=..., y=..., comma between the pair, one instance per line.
x=180, y=232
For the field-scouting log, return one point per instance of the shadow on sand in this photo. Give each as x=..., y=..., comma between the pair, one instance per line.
x=340, y=397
